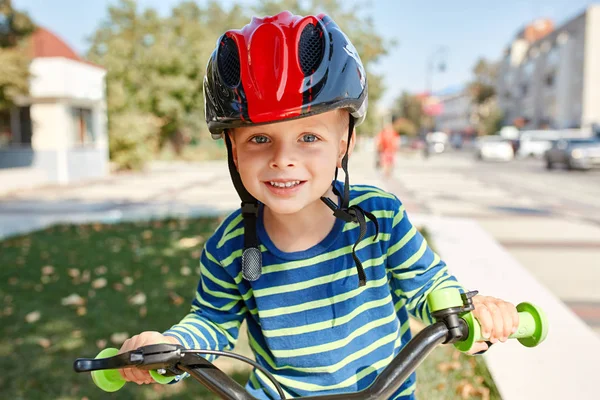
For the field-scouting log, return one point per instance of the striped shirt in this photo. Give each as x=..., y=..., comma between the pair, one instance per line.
x=309, y=323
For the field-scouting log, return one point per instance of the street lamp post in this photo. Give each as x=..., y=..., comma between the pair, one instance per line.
x=438, y=57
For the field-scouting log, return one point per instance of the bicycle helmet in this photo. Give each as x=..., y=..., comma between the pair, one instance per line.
x=279, y=68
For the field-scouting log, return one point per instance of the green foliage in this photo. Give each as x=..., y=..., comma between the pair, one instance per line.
x=410, y=107
x=15, y=26
x=491, y=123
x=155, y=70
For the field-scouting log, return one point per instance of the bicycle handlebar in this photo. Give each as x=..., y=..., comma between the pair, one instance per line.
x=455, y=324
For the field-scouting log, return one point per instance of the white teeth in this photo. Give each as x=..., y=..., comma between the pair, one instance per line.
x=284, y=184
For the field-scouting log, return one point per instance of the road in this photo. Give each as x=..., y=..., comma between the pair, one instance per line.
x=548, y=220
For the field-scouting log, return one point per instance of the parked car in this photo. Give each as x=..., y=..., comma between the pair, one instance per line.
x=536, y=143
x=575, y=153
x=488, y=148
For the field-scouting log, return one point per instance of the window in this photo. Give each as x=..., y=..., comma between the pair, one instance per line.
x=15, y=127
x=83, y=131
x=5, y=129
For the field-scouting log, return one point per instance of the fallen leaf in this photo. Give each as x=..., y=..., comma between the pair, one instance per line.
x=101, y=270
x=196, y=254
x=73, y=300
x=164, y=269
x=138, y=299
x=119, y=337
x=176, y=299
x=186, y=243
x=81, y=311
x=33, y=317
x=99, y=283
x=478, y=379
x=101, y=343
x=465, y=389
x=143, y=311
x=118, y=287
x=85, y=277
x=13, y=280
x=74, y=273
x=47, y=270
x=448, y=366
x=186, y=271
x=128, y=281
x=45, y=343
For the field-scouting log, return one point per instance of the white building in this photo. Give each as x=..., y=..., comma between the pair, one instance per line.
x=57, y=134
x=553, y=79
x=456, y=111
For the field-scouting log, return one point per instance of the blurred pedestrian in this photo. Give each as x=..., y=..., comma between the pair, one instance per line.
x=387, y=145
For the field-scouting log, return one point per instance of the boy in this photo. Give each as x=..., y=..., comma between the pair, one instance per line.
x=326, y=297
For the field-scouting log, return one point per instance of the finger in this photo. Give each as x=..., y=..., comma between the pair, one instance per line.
x=507, y=318
x=140, y=376
x=484, y=317
x=498, y=322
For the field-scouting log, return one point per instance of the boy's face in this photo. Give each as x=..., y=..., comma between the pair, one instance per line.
x=290, y=165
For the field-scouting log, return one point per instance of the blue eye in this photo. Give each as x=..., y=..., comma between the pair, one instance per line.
x=259, y=139
x=309, y=138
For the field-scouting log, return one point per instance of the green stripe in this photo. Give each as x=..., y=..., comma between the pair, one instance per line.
x=399, y=216
x=366, y=196
x=322, y=302
x=412, y=260
x=234, y=222
x=305, y=351
x=402, y=242
x=288, y=288
x=332, y=323
x=229, y=236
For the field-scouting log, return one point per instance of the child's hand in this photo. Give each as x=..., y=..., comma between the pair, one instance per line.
x=498, y=319
x=145, y=338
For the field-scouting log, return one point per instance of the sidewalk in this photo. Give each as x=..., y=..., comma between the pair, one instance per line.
x=554, y=370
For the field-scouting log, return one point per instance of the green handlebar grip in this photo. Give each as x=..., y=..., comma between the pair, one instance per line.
x=532, y=329
x=110, y=380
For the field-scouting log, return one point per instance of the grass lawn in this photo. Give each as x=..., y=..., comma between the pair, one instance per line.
x=69, y=291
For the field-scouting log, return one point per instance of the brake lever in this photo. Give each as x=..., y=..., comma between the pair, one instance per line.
x=149, y=357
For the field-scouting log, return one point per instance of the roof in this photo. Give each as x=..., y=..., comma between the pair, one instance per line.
x=46, y=44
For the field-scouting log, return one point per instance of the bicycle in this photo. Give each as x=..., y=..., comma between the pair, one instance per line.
x=454, y=324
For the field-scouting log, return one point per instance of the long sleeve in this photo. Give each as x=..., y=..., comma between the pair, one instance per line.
x=415, y=269
x=217, y=310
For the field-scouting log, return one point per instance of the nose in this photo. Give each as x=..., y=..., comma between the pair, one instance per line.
x=283, y=156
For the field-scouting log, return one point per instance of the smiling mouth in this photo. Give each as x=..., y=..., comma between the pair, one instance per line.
x=283, y=185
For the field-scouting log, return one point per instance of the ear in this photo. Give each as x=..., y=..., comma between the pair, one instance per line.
x=344, y=147
x=234, y=153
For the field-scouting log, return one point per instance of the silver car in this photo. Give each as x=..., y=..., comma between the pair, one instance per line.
x=579, y=153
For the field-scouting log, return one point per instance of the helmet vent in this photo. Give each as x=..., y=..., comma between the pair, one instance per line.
x=228, y=61
x=311, y=48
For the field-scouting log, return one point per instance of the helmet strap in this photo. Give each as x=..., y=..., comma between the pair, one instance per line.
x=252, y=256
x=349, y=213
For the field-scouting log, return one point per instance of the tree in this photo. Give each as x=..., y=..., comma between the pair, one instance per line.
x=15, y=26
x=155, y=70
x=486, y=113
x=361, y=32
x=410, y=107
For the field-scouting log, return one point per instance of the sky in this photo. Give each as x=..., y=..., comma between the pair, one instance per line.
x=466, y=29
